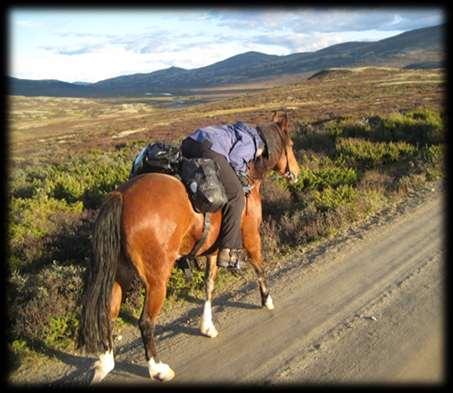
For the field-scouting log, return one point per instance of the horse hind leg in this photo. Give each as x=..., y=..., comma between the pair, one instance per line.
x=154, y=299
x=106, y=361
x=207, y=326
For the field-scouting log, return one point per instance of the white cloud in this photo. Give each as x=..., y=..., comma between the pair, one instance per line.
x=192, y=39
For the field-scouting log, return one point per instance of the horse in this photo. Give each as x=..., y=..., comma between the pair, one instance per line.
x=144, y=227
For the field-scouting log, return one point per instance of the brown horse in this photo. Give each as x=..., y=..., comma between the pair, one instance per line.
x=149, y=223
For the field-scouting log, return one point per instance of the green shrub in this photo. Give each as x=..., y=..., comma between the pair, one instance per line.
x=420, y=126
x=330, y=198
x=68, y=188
x=373, y=154
x=61, y=330
x=179, y=285
x=88, y=179
x=433, y=154
x=325, y=177
x=45, y=305
x=348, y=128
x=349, y=170
x=35, y=217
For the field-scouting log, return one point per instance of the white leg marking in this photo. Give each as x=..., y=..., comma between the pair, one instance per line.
x=160, y=371
x=103, y=366
x=207, y=327
x=269, y=303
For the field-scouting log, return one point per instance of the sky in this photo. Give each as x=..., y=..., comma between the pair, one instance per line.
x=93, y=44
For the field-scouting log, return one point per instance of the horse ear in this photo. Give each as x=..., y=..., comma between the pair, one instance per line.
x=281, y=118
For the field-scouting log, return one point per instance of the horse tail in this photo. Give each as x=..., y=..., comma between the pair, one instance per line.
x=95, y=325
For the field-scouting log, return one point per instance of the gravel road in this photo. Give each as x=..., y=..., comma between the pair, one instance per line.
x=368, y=311
x=366, y=308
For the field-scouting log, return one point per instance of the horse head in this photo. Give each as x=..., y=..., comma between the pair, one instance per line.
x=287, y=164
x=279, y=154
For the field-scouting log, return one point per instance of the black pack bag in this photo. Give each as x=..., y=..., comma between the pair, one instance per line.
x=206, y=191
x=157, y=157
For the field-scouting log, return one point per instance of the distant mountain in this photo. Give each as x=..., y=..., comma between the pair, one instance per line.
x=419, y=48
x=425, y=65
x=45, y=87
x=81, y=83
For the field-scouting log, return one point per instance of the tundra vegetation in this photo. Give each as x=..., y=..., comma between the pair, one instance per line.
x=354, y=162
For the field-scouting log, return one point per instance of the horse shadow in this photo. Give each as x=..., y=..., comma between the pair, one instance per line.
x=183, y=325
x=81, y=363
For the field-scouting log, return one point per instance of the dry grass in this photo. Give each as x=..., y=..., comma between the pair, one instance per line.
x=52, y=208
x=85, y=124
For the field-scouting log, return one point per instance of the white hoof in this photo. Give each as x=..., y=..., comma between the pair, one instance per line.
x=269, y=304
x=208, y=329
x=103, y=366
x=160, y=371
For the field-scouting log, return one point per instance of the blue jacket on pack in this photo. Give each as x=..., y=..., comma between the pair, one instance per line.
x=237, y=142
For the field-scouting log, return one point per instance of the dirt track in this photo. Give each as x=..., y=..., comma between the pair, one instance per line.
x=367, y=309
x=369, y=312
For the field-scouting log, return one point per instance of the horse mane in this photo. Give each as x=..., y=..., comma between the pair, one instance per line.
x=275, y=140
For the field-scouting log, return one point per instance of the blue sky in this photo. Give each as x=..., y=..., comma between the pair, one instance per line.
x=95, y=44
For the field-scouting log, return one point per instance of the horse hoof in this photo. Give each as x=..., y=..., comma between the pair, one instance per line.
x=209, y=330
x=102, y=367
x=160, y=371
x=269, y=304
x=99, y=374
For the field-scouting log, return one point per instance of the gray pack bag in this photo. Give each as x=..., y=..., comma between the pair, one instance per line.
x=206, y=191
x=157, y=157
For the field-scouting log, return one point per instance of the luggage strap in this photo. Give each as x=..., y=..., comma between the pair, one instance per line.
x=188, y=262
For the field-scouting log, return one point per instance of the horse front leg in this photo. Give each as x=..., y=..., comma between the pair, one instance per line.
x=207, y=326
x=252, y=244
x=266, y=299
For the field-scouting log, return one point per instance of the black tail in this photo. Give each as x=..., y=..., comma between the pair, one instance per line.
x=95, y=333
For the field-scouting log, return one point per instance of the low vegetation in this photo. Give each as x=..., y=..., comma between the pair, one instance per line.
x=350, y=169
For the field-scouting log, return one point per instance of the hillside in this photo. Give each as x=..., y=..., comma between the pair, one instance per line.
x=66, y=125
x=421, y=46
x=364, y=140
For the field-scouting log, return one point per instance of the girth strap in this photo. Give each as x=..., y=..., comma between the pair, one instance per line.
x=188, y=262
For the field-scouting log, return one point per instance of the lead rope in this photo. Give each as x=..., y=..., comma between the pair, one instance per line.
x=246, y=204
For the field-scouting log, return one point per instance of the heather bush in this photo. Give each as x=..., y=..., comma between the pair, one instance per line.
x=45, y=304
x=330, y=198
x=349, y=170
x=88, y=179
x=32, y=220
x=373, y=154
x=421, y=126
x=322, y=178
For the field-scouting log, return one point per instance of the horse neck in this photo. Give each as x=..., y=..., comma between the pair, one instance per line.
x=258, y=172
x=267, y=164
